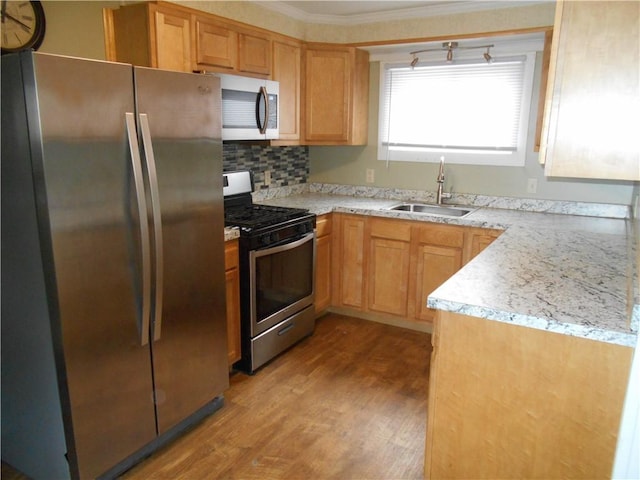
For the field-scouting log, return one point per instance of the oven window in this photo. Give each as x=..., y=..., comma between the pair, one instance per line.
x=283, y=278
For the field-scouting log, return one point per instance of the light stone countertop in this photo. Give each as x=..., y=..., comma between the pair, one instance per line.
x=558, y=272
x=231, y=233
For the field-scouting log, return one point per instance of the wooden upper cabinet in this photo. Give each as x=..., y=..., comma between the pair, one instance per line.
x=286, y=69
x=223, y=47
x=254, y=53
x=172, y=47
x=163, y=35
x=592, y=106
x=335, y=93
x=149, y=35
x=216, y=45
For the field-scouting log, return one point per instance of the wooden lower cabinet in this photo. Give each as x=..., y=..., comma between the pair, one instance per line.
x=477, y=239
x=507, y=401
x=388, y=273
x=385, y=266
x=323, y=263
x=232, y=276
x=436, y=256
x=434, y=265
x=349, y=261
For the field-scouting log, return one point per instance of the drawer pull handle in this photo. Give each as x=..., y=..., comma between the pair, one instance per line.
x=286, y=329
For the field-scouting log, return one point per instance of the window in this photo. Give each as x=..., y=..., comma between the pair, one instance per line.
x=469, y=111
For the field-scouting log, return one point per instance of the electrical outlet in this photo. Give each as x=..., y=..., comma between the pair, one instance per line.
x=532, y=185
x=267, y=177
x=371, y=175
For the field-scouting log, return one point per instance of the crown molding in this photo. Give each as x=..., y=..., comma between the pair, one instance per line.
x=437, y=9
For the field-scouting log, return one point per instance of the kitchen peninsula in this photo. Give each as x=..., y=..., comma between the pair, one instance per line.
x=533, y=339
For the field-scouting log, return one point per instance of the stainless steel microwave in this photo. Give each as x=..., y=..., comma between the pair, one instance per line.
x=250, y=108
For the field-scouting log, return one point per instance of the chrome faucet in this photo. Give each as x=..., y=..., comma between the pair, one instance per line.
x=440, y=181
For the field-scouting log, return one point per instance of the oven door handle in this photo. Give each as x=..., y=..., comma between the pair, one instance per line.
x=286, y=246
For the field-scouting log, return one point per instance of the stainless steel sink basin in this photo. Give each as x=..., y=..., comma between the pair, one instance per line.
x=441, y=210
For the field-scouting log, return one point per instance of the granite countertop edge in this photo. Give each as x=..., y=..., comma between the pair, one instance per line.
x=586, y=246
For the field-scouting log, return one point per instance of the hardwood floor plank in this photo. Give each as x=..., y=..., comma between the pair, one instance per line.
x=349, y=402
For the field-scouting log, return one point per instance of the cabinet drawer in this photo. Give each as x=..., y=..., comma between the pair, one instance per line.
x=391, y=229
x=231, y=254
x=323, y=225
x=444, y=235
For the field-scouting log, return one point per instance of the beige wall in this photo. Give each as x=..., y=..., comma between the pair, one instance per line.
x=75, y=28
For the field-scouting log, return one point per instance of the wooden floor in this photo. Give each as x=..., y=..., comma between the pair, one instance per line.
x=347, y=403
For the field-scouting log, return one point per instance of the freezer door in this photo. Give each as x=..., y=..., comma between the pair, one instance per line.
x=179, y=120
x=86, y=196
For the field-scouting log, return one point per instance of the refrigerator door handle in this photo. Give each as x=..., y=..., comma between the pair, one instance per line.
x=143, y=324
x=157, y=222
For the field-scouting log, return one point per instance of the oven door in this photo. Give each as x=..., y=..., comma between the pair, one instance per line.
x=282, y=281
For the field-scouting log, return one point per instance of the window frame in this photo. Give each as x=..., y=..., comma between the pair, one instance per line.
x=515, y=159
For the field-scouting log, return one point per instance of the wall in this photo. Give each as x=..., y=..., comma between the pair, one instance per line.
x=75, y=28
x=347, y=165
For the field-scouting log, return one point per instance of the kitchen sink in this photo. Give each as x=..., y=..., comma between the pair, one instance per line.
x=430, y=209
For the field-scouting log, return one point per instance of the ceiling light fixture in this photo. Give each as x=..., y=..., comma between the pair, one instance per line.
x=449, y=47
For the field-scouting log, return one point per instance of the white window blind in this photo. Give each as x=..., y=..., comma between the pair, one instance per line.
x=471, y=108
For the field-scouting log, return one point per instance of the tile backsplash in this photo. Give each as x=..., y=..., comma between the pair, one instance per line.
x=288, y=165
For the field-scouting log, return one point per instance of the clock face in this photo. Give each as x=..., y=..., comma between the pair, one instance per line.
x=23, y=25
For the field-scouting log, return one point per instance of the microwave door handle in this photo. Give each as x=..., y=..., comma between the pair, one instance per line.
x=136, y=164
x=157, y=223
x=262, y=95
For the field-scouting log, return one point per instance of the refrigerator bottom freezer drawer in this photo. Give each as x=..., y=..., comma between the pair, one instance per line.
x=282, y=336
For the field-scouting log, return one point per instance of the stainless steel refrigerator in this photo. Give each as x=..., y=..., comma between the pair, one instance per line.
x=113, y=302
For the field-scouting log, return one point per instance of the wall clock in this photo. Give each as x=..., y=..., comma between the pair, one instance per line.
x=23, y=25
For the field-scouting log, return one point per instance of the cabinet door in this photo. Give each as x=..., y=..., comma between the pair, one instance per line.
x=254, y=53
x=435, y=264
x=216, y=45
x=351, y=262
x=327, y=95
x=476, y=241
x=233, y=314
x=323, y=273
x=323, y=262
x=286, y=70
x=172, y=40
x=388, y=278
x=232, y=276
x=592, y=111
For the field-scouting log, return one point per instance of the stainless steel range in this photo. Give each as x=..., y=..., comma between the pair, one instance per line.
x=277, y=271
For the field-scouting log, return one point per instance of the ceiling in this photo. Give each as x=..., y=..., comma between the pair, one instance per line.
x=341, y=12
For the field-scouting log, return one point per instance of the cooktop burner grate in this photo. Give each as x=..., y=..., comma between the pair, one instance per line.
x=256, y=216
